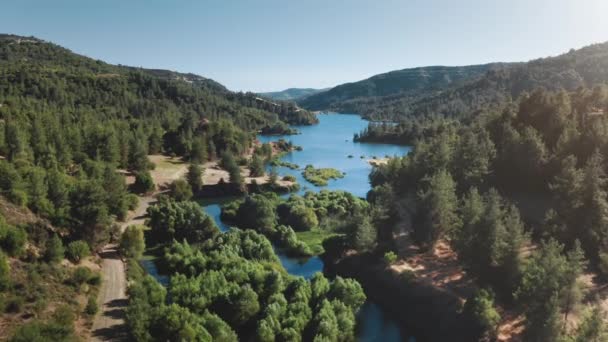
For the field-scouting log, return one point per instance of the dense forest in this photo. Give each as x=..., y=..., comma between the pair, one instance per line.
x=72, y=129
x=69, y=121
x=461, y=181
x=232, y=285
x=478, y=88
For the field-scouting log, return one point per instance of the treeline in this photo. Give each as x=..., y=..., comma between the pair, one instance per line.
x=231, y=286
x=457, y=185
x=401, y=133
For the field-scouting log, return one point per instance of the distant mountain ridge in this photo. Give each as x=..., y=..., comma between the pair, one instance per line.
x=292, y=94
x=409, y=83
x=458, y=91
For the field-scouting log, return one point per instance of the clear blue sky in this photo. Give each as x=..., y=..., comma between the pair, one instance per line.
x=275, y=44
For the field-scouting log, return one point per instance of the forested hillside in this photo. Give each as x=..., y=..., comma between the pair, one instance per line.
x=406, y=84
x=71, y=129
x=520, y=196
x=292, y=94
x=585, y=67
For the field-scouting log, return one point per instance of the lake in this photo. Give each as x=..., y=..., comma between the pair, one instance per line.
x=329, y=144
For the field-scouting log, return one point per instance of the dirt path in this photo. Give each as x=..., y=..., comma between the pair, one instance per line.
x=109, y=324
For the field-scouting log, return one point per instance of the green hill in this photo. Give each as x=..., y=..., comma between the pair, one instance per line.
x=292, y=94
x=420, y=92
x=407, y=84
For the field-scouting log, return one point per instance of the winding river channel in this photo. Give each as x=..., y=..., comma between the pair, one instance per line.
x=329, y=144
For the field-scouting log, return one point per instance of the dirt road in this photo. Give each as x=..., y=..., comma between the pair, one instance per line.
x=109, y=324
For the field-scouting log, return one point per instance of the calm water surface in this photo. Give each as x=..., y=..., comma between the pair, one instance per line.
x=329, y=144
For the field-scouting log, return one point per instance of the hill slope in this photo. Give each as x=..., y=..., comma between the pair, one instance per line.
x=41, y=70
x=292, y=94
x=476, y=89
x=406, y=83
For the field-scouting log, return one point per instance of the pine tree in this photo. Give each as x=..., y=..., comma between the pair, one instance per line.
x=195, y=177
x=256, y=166
x=437, y=213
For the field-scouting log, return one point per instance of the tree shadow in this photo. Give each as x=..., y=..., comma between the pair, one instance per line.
x=110, y=254
x=114, y=333
x=118, y=303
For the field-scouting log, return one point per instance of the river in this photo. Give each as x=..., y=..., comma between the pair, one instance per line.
x=329, y=144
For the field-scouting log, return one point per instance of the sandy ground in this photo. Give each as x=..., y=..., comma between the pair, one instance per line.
x=378, y=161
x=213, y=173
x=441, y=269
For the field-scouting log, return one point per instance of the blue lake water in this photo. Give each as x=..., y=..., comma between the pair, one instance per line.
x=329, y=144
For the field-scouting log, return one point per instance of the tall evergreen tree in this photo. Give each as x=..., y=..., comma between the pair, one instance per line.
x=437, y=213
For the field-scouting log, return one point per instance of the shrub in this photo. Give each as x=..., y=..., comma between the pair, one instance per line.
x=91, y=308
x=180, y=190
x=289, y=178
x=143, y=183
x=77, y=250
x=94, y=279
x=603, y=263
x=480, y=310
x=13, y=240
x=390, y=257
x=132, y=243
x=54, y=250
x=81, y=275
x=5, y=271
x=132, y=201
x=19, y=197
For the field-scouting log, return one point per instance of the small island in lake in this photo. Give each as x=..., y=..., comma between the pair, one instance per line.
x=320, y=177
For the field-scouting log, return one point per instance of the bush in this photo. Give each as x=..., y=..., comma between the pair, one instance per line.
x=18, y=197
x=92, y=307
x=5, y=272
x=289, y=178
x=82, y=275
x=13, y=240
x=95, y=279
x=54, y=250
x=479, y=309
x=390, y=257
x=132, y=201
x=77, y=250
x=180, y=190
x=603, y=263
x=144, y=183
x=132, y=242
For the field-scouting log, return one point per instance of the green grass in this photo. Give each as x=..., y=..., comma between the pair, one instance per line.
x=314, y=239
x=320, y=177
